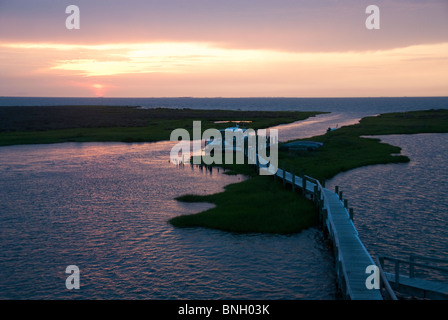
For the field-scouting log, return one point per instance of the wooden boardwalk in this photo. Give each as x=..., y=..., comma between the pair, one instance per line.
x=425, y=289
x=404, y=279
x=353, y=262
x=351, y=256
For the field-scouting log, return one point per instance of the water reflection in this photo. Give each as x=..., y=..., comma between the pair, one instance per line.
x=104, y=207
x=315, y=126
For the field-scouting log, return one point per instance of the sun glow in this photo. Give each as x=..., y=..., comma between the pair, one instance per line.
x=195, y=67
x=98, y=89
x=158, y=58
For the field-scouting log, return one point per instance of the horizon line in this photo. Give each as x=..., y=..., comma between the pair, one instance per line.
x=218, y=97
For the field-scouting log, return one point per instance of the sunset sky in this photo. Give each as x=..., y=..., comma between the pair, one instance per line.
x=232, y=48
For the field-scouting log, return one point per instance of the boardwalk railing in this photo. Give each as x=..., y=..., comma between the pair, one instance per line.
x=385, y=287
x=404, y=277
x=412, y=265
x=352, y=258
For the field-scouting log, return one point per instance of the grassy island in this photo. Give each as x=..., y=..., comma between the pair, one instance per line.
x=36, y=125
x=261, y=204
x=53, y=124
x=258, y=204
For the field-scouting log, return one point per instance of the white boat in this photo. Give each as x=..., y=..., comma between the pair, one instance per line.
x=213, y=143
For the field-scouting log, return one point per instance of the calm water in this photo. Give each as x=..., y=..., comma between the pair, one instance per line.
x=335, y=105
x=104, y=207
x=403, y=208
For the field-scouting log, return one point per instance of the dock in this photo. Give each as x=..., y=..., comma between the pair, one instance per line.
x=352, y=258
x=404, y=279
x=359, y=277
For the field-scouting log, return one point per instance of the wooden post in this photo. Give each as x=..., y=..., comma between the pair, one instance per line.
x=350, y=213
x=336, y=190
x=340, y=195
x=345, y=203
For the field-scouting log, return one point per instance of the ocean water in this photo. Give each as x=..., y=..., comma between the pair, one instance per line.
x=104, y=207
x=336, y=105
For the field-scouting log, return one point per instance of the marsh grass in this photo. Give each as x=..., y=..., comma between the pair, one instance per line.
x=347, y=148
x=263, y=205
x=255, y=205
x=258, y=204
x=34, y=125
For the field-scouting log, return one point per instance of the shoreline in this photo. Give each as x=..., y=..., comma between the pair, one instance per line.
x=344, y=149
x=359, y=152
x=34, y=125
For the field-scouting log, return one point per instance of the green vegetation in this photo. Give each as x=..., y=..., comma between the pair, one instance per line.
x=259, y=205
x=346, y=148
x=255, y=205
x=425, y=121
x=341, y=152
x=33, y=125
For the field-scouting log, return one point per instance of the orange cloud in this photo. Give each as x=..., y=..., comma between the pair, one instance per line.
x=207, y=69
